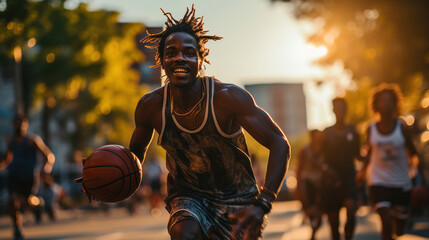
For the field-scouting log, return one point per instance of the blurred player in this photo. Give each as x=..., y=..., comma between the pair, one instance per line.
x=21, y=160
x=340, y=148
x=386, y=169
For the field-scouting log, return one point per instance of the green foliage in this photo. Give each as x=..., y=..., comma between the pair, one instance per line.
x=76, y=67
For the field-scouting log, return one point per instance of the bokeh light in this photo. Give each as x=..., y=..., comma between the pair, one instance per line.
x=31, y=42
x=17, y=54
x=291, y=182
x=50, y=58
x=425, y=102
x=409, y=119
x=33, y=201
x=51, y=102
x=425, y=136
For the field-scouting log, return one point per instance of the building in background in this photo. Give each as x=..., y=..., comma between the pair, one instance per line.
x=286, y=104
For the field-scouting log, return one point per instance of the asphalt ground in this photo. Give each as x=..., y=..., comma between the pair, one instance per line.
x=285, y=222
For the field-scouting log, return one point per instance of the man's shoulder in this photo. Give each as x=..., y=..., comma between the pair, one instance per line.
x=149, y=107
x=226, y=89
x=153, y=97
x=157, y=93
x=227, y=93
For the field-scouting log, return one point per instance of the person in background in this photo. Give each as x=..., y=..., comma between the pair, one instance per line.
x=309, y=176
x=340, y=148
x=21, y=160
x=153, y=172
x=49, y=194
x=387, y=164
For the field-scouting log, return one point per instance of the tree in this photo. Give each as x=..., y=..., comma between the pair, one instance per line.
x=76, y=68
x=379, y=41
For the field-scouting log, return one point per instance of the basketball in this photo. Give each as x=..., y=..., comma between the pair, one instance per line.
x=112, y=173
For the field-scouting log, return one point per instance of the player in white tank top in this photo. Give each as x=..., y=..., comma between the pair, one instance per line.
x=388, y=165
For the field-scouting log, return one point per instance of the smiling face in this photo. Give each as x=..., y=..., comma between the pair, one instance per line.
x=181, y=61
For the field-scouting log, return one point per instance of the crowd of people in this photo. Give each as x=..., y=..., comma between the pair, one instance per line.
x=329, y=180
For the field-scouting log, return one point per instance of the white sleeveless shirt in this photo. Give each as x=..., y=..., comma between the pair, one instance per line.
x=388, y=164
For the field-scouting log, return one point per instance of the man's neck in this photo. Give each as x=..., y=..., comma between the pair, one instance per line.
x=186, y=97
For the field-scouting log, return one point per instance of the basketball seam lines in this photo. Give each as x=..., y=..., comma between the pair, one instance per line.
x=133, y=165
x=123, y=181
x=123, y=160
x=123, y=177
x=109, y=182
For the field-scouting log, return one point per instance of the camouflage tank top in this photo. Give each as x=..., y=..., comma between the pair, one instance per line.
x=206, y=162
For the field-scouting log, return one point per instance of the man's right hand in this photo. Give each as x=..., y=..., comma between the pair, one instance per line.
x=248, y=223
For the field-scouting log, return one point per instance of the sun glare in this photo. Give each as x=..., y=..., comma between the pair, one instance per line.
x=315, y=52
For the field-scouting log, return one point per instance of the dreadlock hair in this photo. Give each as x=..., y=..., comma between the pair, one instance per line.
x=391, y=89
x=188, y=24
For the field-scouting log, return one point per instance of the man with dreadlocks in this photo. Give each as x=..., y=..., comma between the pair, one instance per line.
x=212, y=193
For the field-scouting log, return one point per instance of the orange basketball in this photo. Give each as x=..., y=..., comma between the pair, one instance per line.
x=112, y=173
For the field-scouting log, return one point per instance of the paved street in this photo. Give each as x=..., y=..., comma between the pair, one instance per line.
x=285, y=222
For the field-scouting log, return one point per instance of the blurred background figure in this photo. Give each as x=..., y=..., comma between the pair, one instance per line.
x=340, y=147
x=154, y=174
x=387, y=165
x=21, y=160
x=309, y=176
x=49, y=194
x=136, y=200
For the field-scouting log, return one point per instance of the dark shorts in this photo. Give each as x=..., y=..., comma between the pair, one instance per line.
x=20, y=186
x=212, y=217
x=395, y=198
x=334, y=197
x=311, y=194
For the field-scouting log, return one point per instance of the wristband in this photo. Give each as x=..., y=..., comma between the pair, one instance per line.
x=263, y=203
x=272, y=195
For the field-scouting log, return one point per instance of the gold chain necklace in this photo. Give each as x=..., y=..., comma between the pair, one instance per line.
x=193, y=108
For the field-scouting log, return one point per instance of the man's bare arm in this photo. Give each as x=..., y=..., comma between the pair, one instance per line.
x=143, y=132
x=262, y=128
